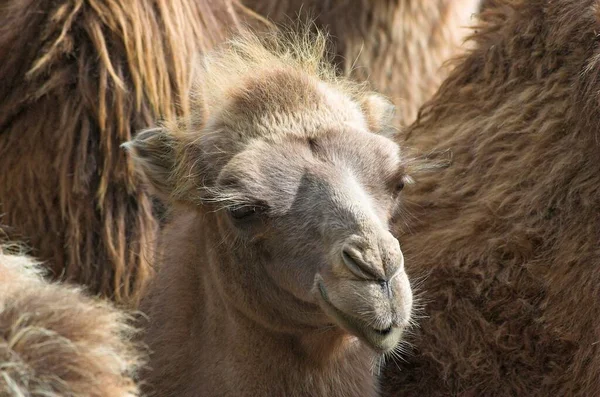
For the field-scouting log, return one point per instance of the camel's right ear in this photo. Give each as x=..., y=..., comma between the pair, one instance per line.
x=153, y=154
x=379, y=113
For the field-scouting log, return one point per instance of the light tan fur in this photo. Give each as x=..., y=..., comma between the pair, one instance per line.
x=279, y=275
x=400, y=46
x=56, y=342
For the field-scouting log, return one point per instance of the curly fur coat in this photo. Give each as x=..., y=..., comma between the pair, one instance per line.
x=507, y=238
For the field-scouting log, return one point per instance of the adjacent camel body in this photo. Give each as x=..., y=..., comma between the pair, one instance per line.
x=507, y=237
x=78, y=78
x=55, y=341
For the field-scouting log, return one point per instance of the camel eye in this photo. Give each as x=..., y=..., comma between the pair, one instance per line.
x=399, y=186
x=400, y=183
x=246, y=212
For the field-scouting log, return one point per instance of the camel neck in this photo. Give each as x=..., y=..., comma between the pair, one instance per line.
x=325, y=362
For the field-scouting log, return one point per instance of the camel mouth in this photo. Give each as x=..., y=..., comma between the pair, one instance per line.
x=379, y=340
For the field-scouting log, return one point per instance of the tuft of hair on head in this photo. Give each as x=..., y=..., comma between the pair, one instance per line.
x=302, y=48
x=56, y=341
x=250, y=54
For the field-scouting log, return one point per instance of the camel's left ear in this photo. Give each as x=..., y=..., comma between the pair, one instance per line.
x=153, y=155
x=379, y=113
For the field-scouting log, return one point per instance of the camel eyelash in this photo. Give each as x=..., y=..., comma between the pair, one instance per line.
x=247, y=211
x=398, y=181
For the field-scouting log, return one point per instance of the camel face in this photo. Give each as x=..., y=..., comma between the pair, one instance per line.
x=296, y=185
x=318, y=209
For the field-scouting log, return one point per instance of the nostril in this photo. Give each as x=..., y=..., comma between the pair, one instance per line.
x=392, y=255
x=384, y=332
x=385, y=286
x=355, y=264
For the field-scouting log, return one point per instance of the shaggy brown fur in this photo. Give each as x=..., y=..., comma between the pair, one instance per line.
x=279, y=276
x=56, y=342
x=509, y=233
x=398, y=45
x=76, y=78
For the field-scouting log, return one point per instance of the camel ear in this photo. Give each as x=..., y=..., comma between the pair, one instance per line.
x=379, y=113
x=153, y=155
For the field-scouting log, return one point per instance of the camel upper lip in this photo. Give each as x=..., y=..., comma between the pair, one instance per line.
x=380, y=340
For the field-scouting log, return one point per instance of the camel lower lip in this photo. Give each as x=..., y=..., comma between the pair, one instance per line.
x=379, y=340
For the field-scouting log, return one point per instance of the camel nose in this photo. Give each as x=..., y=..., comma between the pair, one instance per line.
x=378, y=260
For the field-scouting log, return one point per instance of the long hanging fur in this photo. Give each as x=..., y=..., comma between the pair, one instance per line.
x=507, y=237
x=55, y=341
x=400, y=46
x=77, y=78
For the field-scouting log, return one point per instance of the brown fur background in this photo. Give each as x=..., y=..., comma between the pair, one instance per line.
x=400, y=46
x=507, y=237
x=54, y=341
x=77, y=78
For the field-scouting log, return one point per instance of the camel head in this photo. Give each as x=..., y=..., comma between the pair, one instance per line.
x=293, y=167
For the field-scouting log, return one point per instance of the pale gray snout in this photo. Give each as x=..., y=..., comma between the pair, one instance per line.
x=378, y=259
x=376, y=315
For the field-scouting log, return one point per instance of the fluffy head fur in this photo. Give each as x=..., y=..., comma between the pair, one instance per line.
x=508, y=234
x=77, y=78
x=279, y=275
x=54, y=341
x=400, y=46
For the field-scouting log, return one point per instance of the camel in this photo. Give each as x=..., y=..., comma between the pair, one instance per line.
x=55, y=341
x=399, y=46
x=278, y=274
x=507, y=236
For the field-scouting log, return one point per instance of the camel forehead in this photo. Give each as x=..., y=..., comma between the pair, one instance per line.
x=274, y=91
x=333, y=147
x=267, y=167
x=287, y=102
